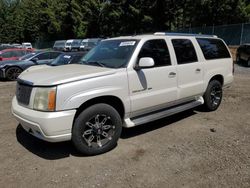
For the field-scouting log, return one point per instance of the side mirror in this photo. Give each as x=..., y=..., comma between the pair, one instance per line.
x=145, y=62
x=35, y=59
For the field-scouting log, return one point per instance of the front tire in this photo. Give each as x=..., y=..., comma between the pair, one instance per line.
x=97, y=129
x=213, y=96
x=12, y=73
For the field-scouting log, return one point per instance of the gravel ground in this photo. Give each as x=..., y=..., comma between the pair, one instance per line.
x=191, y=149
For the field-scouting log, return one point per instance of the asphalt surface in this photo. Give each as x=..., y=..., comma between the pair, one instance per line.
x=191, y=149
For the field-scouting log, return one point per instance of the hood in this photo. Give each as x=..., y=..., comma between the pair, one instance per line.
x=48, y=76
x=32, y=68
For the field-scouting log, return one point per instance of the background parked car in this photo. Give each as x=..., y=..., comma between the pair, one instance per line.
x=27, y=45
x=13, y=53
x=68, y=58
x=12, y=69
x=6, y=46
x=16, y=45
x=68, y=45
x=59, y=45
x=88, y=44
x=76, y=45
x=243, y=55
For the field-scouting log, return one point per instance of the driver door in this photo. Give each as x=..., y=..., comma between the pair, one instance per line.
x=155, y=87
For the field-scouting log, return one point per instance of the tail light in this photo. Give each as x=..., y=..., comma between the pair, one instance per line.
x=1, y=58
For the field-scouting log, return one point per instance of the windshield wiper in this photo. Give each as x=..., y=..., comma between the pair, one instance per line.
x=94, y=63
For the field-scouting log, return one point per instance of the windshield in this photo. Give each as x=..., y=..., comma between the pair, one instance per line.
x=68, y=43
x=84, y=43
x=62, y=60
x=110, y=53
x=76, y=42
x=27, y=56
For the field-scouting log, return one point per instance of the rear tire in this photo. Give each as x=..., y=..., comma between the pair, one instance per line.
x=248, y=63
x=97, y=129
x=12, y=73
x=213, y=96
x=238, y=61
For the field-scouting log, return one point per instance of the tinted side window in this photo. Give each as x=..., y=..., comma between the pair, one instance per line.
x=184, y=51
x=76, y=60
x=54, y=55
x=19, y=53
x=7, y=54
x=43, y=56
x=158, y=50
x=91, y=44
x=213, y=48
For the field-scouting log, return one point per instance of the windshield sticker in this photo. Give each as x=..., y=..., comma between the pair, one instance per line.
x=127, y=43
x=66, y=56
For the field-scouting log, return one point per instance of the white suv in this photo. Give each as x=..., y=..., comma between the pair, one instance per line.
x=123, y=82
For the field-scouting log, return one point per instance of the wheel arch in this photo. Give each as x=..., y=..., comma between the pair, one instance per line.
x=113, y=101
x=12, y=66
x=219, y=78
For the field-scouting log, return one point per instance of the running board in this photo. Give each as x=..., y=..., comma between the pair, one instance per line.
x=161, y=114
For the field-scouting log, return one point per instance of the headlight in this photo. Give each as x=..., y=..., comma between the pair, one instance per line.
x=45, y=99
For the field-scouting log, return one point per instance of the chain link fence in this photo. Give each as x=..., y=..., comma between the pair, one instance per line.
x=43, y=44
x=234, y=34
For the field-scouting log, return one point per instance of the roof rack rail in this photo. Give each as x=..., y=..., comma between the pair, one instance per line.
x=184, y=34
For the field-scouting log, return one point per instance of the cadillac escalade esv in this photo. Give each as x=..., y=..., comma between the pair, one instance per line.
x=122, y=82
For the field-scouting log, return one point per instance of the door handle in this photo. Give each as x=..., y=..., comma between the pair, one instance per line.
x=172, y=75
x=198, y=70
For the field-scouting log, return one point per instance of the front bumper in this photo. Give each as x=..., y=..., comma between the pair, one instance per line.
x=2, y=73
x=48, y=126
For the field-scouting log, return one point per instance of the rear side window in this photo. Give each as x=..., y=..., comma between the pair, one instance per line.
x=43, y=56
x=54, y=55
x=158, y=50
x=76, y=59
x=213, y=48
x=19, y=53
x=7, y=54
x=184, y=51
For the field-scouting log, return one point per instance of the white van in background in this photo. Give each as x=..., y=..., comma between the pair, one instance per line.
x=68, y=45
x=88, y=44
x=27, y=45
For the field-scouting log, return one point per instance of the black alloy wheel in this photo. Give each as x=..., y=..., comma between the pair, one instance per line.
x=12, y=73
x=97, y=129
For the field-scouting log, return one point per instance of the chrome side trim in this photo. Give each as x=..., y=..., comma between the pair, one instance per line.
x=165, y=113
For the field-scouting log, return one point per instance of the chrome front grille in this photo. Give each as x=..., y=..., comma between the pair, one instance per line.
x=23, y=93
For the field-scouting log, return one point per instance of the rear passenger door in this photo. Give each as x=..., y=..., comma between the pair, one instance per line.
x=153, y=88
x=189, y=69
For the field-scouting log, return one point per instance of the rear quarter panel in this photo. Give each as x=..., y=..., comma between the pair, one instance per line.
x=222, y=67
